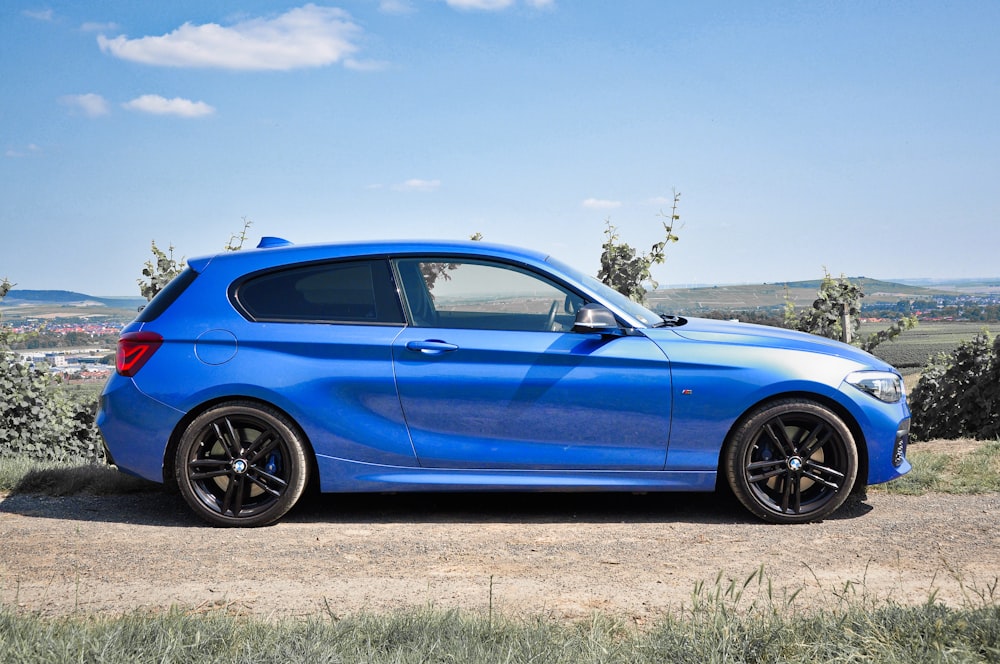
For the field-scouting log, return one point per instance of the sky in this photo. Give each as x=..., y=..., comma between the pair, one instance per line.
x=858, y=137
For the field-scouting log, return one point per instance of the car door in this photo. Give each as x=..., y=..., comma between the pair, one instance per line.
x=490, y=374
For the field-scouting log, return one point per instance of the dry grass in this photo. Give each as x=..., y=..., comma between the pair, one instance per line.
x=61, y=480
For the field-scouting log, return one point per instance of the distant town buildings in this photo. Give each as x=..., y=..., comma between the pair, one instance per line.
x=72, y=364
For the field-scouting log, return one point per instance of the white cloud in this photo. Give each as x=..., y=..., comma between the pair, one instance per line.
x=601, y=204
x=417, y=184
x=496, y=5
x=365, y=65
x=99, y=27
x=92, y=105
x=157, y=105
x=29, y=150
x=483, y=5
x=39, y=15
x=396, y=7
x=307, y=36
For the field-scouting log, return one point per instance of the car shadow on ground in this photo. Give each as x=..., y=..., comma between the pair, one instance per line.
x=535, y=507
x=146, y=503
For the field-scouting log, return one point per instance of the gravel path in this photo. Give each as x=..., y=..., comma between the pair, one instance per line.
x=562, y=555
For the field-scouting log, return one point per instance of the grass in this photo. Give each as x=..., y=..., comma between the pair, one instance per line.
x=18, y=475
x=724, y=623
x=936, y=469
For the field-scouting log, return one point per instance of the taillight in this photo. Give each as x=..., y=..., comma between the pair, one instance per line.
x=134, y=350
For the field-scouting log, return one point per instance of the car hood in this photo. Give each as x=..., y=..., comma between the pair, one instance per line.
x=748, y=334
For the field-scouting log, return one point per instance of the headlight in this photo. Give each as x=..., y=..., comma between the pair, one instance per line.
x=882, y=385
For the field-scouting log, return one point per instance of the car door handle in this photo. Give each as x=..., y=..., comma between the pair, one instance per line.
x=431, y=346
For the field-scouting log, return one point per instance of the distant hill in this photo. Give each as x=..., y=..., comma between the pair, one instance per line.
x=749, y=297
x=62, y=298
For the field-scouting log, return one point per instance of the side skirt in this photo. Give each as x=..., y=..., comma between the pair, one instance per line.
x=344, y=476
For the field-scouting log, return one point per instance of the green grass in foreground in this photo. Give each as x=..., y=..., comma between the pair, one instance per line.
x=937, y=470
x=714, y=630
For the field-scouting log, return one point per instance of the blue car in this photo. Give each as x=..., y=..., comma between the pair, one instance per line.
x=466, y=366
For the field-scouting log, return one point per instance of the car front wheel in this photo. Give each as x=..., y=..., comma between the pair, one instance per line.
x=241, y=464
x=792, y=461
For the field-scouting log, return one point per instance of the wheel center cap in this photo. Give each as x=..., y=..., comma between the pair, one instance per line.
x=240, y=466
x=795, y=463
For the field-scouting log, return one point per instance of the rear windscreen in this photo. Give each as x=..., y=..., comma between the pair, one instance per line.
x=167, y=296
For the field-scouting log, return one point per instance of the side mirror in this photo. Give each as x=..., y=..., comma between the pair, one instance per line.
x=596, y=319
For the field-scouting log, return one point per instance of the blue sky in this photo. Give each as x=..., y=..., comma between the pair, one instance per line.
x=862, y=137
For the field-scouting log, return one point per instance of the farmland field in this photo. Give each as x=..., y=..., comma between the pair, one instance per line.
x=914, y=348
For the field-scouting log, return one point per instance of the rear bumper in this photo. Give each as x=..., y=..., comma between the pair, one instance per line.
x=136, y=429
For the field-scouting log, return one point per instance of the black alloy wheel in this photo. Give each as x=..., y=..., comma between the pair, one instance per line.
x=792, y=461
x=241, y=464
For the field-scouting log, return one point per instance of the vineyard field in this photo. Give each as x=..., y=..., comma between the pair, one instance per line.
x=914, y=348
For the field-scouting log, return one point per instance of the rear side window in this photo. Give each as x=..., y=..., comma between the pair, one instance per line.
x=343, y=292
x=167, y=296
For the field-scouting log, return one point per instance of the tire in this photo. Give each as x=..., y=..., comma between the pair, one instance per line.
x=792, y=461
x=241, y=464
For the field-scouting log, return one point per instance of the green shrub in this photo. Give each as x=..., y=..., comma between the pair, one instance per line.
x=39, y=421
x=958, y=394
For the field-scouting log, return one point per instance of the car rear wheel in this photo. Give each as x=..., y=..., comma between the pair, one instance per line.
x=241, y=464
x=792, y=461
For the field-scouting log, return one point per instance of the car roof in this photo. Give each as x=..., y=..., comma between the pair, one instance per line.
x=287, y=254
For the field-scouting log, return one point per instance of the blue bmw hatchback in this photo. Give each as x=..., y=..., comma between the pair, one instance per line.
x=465, y=366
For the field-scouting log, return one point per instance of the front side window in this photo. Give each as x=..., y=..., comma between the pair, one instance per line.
x=343, y=292
x=470, y=294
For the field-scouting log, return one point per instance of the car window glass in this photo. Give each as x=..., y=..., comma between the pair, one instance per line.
x=344, y=292
x=167, y=296
x=634, y=309
x=481, y=295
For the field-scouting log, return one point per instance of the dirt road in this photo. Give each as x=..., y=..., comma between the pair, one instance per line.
x=561, y=555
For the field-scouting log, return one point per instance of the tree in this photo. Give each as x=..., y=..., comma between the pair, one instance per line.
x=163, y=267
x=836, y=314
x=236, y=240
x=434, y=271
x=158, y=272
x=628, y=271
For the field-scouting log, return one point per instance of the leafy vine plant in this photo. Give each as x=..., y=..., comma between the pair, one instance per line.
x=836, y=314
x=628, y=271
x=5, y=287
x=163, y=267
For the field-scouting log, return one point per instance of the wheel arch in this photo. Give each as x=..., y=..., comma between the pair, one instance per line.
x=838, y=409
x=169, y=454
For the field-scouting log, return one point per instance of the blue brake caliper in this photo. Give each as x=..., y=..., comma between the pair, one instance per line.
x=272, y=464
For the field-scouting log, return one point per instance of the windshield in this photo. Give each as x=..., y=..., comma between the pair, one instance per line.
x=613, y=297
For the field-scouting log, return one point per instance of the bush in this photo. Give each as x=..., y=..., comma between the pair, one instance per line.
x=39, y=421
x=958, y=394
